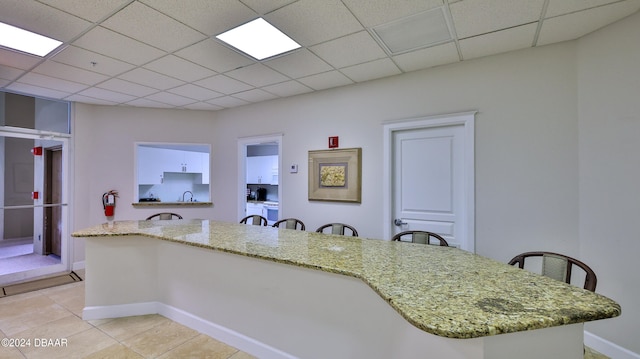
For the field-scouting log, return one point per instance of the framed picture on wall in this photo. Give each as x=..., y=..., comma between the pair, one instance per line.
x=335, y=175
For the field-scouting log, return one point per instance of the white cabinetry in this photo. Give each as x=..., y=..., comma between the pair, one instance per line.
x=182, y=161
x=262, y=170
x=153, y=162
x=150, y=170
x=254, y=208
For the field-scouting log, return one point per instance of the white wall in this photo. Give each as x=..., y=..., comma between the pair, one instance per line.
x=526, y=144
x=539, y=184
x=104, y=159
x=609, y=128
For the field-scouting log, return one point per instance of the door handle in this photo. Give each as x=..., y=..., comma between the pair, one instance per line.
x=399, y=222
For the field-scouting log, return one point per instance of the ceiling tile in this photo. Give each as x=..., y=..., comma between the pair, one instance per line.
x=37, y=91
x=9, y=73
x=263, y=7
x=429, y=57
x=127, y=87
x=91, y=61
x=227, y=101
x=195, y=92
x=289, y=88
x=572, y=26
x=179, y=68
x=475, y=17
x=496, y=42
x=561, y=7
x=106, y=95
x=223, y=84
x=217, y=57
x=203, y=106
x=326, y=80
x=209, y=17
x=170, y=99
x=371, y=70
x=376, y=12
x=89, y=100
x=109, y=43
x=349, y=50
x=88, y=10
x=298, y=64
x=257, y=75
x=150, y=78
x=145, y=102
x=67, y=72
x=149, y=26
x=255, y=95
x=51, y=83
x=18, y=60
x=42, y=19
x=310, y=22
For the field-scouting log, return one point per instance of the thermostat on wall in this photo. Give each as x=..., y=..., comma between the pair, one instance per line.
x=293, y=168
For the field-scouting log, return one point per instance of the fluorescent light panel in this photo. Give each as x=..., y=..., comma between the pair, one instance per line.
x=26, y=41
x=258, y=39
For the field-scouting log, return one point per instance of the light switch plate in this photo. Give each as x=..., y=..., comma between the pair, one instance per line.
x=293, y=168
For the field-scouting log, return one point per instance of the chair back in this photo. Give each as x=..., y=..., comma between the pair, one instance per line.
x=423, y=237
x=165, y=216
x=254, y=219
x=559, y=267
x=289, y=223
x=338, y=228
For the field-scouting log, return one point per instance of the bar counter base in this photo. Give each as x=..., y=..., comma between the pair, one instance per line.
x=274, y=310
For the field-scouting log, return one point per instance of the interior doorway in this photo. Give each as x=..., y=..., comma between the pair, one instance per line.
x=259, y=176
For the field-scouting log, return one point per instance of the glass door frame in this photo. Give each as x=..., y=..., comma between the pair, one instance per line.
x=64, y=140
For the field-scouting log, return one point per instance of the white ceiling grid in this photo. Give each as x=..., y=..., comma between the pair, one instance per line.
x=163, y=53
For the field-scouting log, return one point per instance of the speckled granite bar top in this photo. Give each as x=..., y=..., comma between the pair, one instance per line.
x=441, y=290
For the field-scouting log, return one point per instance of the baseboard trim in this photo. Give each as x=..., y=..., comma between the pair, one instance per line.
x=608, y=348
x=77, y=265
x=226, y=335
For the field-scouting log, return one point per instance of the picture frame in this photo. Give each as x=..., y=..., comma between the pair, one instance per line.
x=335, y=175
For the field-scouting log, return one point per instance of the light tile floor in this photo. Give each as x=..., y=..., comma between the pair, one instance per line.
x=49, y=317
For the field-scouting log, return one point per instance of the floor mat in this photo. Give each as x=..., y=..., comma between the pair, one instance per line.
x=37, y=284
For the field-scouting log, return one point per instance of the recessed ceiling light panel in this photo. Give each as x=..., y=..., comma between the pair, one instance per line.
x=258, y=39
x=26, y=41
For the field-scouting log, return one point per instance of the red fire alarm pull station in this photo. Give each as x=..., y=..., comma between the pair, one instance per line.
x=333, y=142
x=35, y=195
x=37, y=151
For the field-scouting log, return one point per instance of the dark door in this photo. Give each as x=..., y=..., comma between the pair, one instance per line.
x=53, y=197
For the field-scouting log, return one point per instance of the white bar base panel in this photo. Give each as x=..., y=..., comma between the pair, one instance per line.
x=273, y=310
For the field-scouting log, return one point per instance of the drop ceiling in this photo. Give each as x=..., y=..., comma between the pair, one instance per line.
x=164, y=54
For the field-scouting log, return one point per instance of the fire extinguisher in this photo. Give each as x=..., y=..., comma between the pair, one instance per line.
x=109, y=202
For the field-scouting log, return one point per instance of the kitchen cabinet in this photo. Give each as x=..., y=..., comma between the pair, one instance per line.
x=153, y=162
x=255, y=208
x=262, y=170
x=204, y=159
x=181, y=161
x=150, y=170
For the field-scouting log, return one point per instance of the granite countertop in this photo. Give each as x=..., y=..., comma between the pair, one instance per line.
x=171, y=204
x=442, y=290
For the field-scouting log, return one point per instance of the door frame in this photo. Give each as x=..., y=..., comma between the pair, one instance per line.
x=65, y=141
x=243, y=142
x=466, y=119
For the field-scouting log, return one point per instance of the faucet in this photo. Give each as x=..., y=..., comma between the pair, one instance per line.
x=185, y=192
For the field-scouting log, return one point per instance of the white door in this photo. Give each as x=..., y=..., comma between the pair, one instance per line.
x=432, y=181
